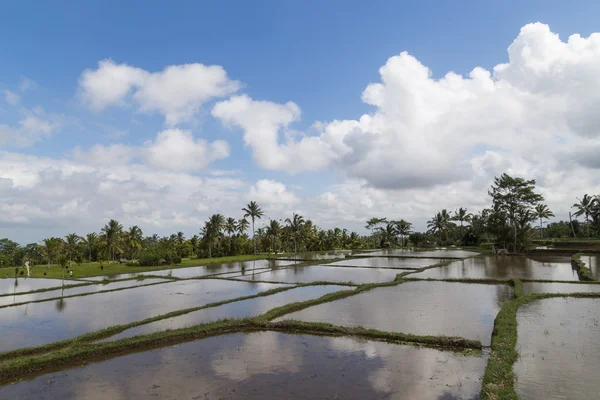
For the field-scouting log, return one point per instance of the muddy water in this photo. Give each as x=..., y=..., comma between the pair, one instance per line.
x=505, y=267
x=322, y=255
x=556, y=287
x=387, y=262
x=441, y=253
x=20, y=285
x=559, y=349
x=238, y=309
x=315, y=273
x=267, y=365
x=423, y=308
x=592, y=261
x=23, y=298
x=204, y=270
x=35, y=324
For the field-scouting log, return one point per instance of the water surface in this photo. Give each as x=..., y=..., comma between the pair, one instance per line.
x=441, y=253
x=592, y=261
x=423, y=308
x=20, y=285
x=238, y=309
x=23, y=298
x=322, y=255
x=314, y=273
x=203, y=270
x=559, y=349
x=557, y=287
x=267, y=365
x=36, y=324
x=505, y=267
x=387, y=262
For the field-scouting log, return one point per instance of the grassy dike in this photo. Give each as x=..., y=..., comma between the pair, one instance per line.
x=583, y=272
x=498, y=381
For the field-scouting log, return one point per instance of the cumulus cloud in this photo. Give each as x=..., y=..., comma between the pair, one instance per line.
x=176, y=149
x=33, y=126
x=272, y=194
x=115, y=154
x=177, y=93
x=262, y=122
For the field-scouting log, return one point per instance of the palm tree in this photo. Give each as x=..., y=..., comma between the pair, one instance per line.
x=295, y=225
x=230, y=226
x=273, y=231
x=51, y=247
x=542, y=212
x=133, y=240
x=70, y=246
x=242, y=226
x=212, y=230
x=388, y=233
x=374, y=223
x=462, y=216
x=90, y=240
x=585, y=206
x=404, y=228
x=112, y=233
x=253, y=211
x=439, y=223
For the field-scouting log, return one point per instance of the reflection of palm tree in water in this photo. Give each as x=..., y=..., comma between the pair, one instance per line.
x=61, y=303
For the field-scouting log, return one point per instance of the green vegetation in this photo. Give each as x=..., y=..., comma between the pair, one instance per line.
x=583, y=272
x=498, y=381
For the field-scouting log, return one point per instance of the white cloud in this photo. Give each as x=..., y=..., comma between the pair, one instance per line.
x=26, y=84
x=11, y=98
x=177, y=149
x=115, y=154
x=178, y=92
x=261, y=122
x=34, y=125
x=272, y=194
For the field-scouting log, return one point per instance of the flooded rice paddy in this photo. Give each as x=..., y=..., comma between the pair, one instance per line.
x=267, y=365
x=592, y=261
x=35, y=324
x=559, y=349
x=423, y=308
x=557, y=287
x=505, y=267
x=438, y=253
x=20, y=285
x=557, y=337
x=317, y=273
x=79, y=290
x=238, y=309
x=387, y=262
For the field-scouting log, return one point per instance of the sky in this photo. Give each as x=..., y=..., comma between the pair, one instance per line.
x=160, y=114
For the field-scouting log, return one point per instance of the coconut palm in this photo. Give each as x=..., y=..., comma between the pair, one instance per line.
x=542, y=212
x=242, y=226
x=295, y=225
x=111, y=238
x=388, y=233
x=440, y=224
x=253, y=211
x=462, y=215
x=230, y=226
x=404, y=228
x=212, y=230
x=71, y=246
x=585, y=207
x=51, y=247
x=90, y=241
x=133, y=240
x=273, y=231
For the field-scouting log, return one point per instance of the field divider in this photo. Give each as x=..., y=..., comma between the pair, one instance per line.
x=583, y=272
x=498, y=380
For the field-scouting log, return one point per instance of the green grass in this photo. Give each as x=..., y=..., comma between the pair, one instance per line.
x=93, y=269
x=498, y=381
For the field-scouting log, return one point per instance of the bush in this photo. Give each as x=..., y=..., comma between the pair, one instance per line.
x=155, y=257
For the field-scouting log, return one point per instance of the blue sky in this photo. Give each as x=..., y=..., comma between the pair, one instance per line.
x=319, y=54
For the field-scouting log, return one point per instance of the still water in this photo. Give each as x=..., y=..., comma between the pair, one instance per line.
x=314, y=273
x=267, y=365
x=387, y=262
x=559, y=349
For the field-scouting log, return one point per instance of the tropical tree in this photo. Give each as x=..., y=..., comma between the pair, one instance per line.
x=133, y=240
x=273, y=231
x=212, y=230
x=51, y=247
x=242, y=226
x=514, y=196
x=295, y=225
x=462, y=216
x=373, y=224
x=388, y=233
x=71, y=246
x=585, y=207
x=253, y=211
x=440, y=223
x=230, y=226
x=90, y=241
x=111, y=238
x=542, y=212
x=404, y=228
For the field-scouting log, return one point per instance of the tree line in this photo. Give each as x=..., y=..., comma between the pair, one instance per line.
x=515, y=217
